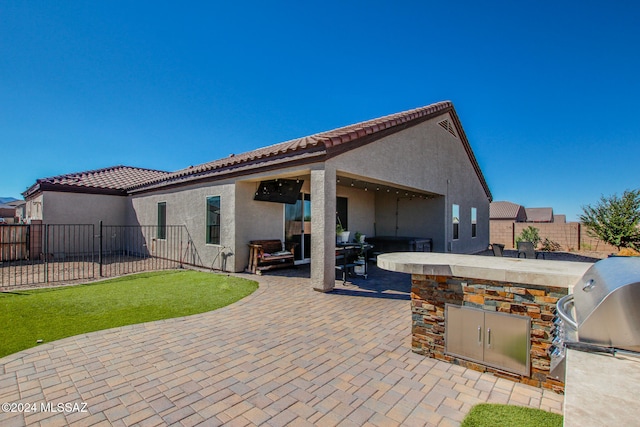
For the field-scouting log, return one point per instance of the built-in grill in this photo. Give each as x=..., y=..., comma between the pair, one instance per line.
x=601, y=315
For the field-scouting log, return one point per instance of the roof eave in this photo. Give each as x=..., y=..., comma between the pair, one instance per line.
x=472, y=157
x=62, y=188
x=267, y=164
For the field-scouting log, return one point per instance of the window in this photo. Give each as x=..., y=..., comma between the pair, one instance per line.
x=455, y=219
x=341, y=212
x=213, y=220
x=162, y=220
x=474, y=222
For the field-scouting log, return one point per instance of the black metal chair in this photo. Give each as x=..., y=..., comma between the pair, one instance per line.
x=527, y=250
x=498, y=249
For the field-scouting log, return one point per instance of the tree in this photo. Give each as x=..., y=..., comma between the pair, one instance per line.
x=529, y=234
x=615, y=220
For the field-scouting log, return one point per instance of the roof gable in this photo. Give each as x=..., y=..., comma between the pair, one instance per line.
x=318, y=147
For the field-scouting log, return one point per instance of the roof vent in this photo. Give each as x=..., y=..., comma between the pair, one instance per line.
x=446, y=125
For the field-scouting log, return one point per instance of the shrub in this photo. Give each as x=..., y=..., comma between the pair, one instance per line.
x=550, y=245
x=529, y=234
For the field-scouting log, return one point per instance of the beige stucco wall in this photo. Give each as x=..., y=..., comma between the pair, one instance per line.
x=33, y=208
x=415, y=217
x=77, y=208
x=426, y=157
x=187, y=206
x=243, y=219
x=361, y=210
x=255, y=220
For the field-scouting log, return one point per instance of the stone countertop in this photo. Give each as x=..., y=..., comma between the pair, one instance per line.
x=516, y=270
x=601, y=390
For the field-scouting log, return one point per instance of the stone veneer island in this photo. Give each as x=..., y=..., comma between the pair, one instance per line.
x=527, y=288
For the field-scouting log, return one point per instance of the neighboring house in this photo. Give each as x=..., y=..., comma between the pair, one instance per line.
x=512, y=212
x=507, y=211
x=408, y=174
x=7, y=213
x=20, y=207
x=503, y=215
x=508, y=221
x=559, y=218
x=539, y=214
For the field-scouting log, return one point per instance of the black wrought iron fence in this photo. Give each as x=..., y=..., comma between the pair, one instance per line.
x=47, y=253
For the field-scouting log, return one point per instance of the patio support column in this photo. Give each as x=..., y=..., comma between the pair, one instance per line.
x=323, y=228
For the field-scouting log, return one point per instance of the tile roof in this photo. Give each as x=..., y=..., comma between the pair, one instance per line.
x=506, y=210
x=111, y=180
x=539, y=214
x=308, y=149
x=314, y=148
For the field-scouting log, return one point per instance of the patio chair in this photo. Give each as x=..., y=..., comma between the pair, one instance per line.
x=498, y=249
x=527, y=250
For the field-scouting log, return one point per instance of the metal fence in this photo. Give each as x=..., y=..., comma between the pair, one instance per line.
x=36, y=254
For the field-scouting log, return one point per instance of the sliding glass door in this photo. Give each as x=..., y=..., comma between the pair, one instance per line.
x=297, y=226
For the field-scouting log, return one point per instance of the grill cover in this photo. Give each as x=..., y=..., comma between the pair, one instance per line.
x=607, y=304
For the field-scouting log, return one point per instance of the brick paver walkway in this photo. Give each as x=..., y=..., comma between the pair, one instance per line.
x=285, y=355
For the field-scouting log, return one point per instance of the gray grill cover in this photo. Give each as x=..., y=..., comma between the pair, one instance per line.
x=607, y=303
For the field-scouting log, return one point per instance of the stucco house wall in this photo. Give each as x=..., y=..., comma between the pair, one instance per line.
x=33, y=208
x=415, y=218
x=187, y=206
x=361, y=210
x=425, y=157
x=79, y=208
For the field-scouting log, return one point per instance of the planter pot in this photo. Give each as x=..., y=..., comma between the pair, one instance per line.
x=345, y=236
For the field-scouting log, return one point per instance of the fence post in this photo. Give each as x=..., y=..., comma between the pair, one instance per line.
x=579, y=236
x=45, y=252
x=100, y=248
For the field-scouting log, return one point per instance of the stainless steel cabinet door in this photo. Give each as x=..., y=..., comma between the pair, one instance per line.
x=507, y=342
x=464, y=332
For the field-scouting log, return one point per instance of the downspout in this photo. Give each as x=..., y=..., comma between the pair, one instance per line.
x=448, y=229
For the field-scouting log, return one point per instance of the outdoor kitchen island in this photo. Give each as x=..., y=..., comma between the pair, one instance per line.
x=500, y=310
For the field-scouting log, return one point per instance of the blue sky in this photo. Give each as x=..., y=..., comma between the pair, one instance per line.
x=547, y=92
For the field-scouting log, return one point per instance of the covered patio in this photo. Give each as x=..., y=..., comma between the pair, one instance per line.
x=360, y=204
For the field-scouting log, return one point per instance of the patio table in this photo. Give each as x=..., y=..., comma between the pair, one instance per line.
x=347, y=257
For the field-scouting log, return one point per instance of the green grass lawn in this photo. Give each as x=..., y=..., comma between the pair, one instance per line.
x=52, y=314
x=490, y=415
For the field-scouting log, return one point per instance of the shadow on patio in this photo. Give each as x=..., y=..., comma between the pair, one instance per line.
x=378, y=284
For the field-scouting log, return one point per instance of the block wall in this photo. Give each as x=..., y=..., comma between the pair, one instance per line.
x=571, y=236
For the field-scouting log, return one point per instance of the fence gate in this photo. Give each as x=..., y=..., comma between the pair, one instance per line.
x=32, y=254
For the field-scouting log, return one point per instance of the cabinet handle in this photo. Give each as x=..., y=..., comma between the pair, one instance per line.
x=479, y=334
x=489, y=337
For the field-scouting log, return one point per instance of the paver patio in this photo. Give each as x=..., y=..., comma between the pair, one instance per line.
x=285, y=355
